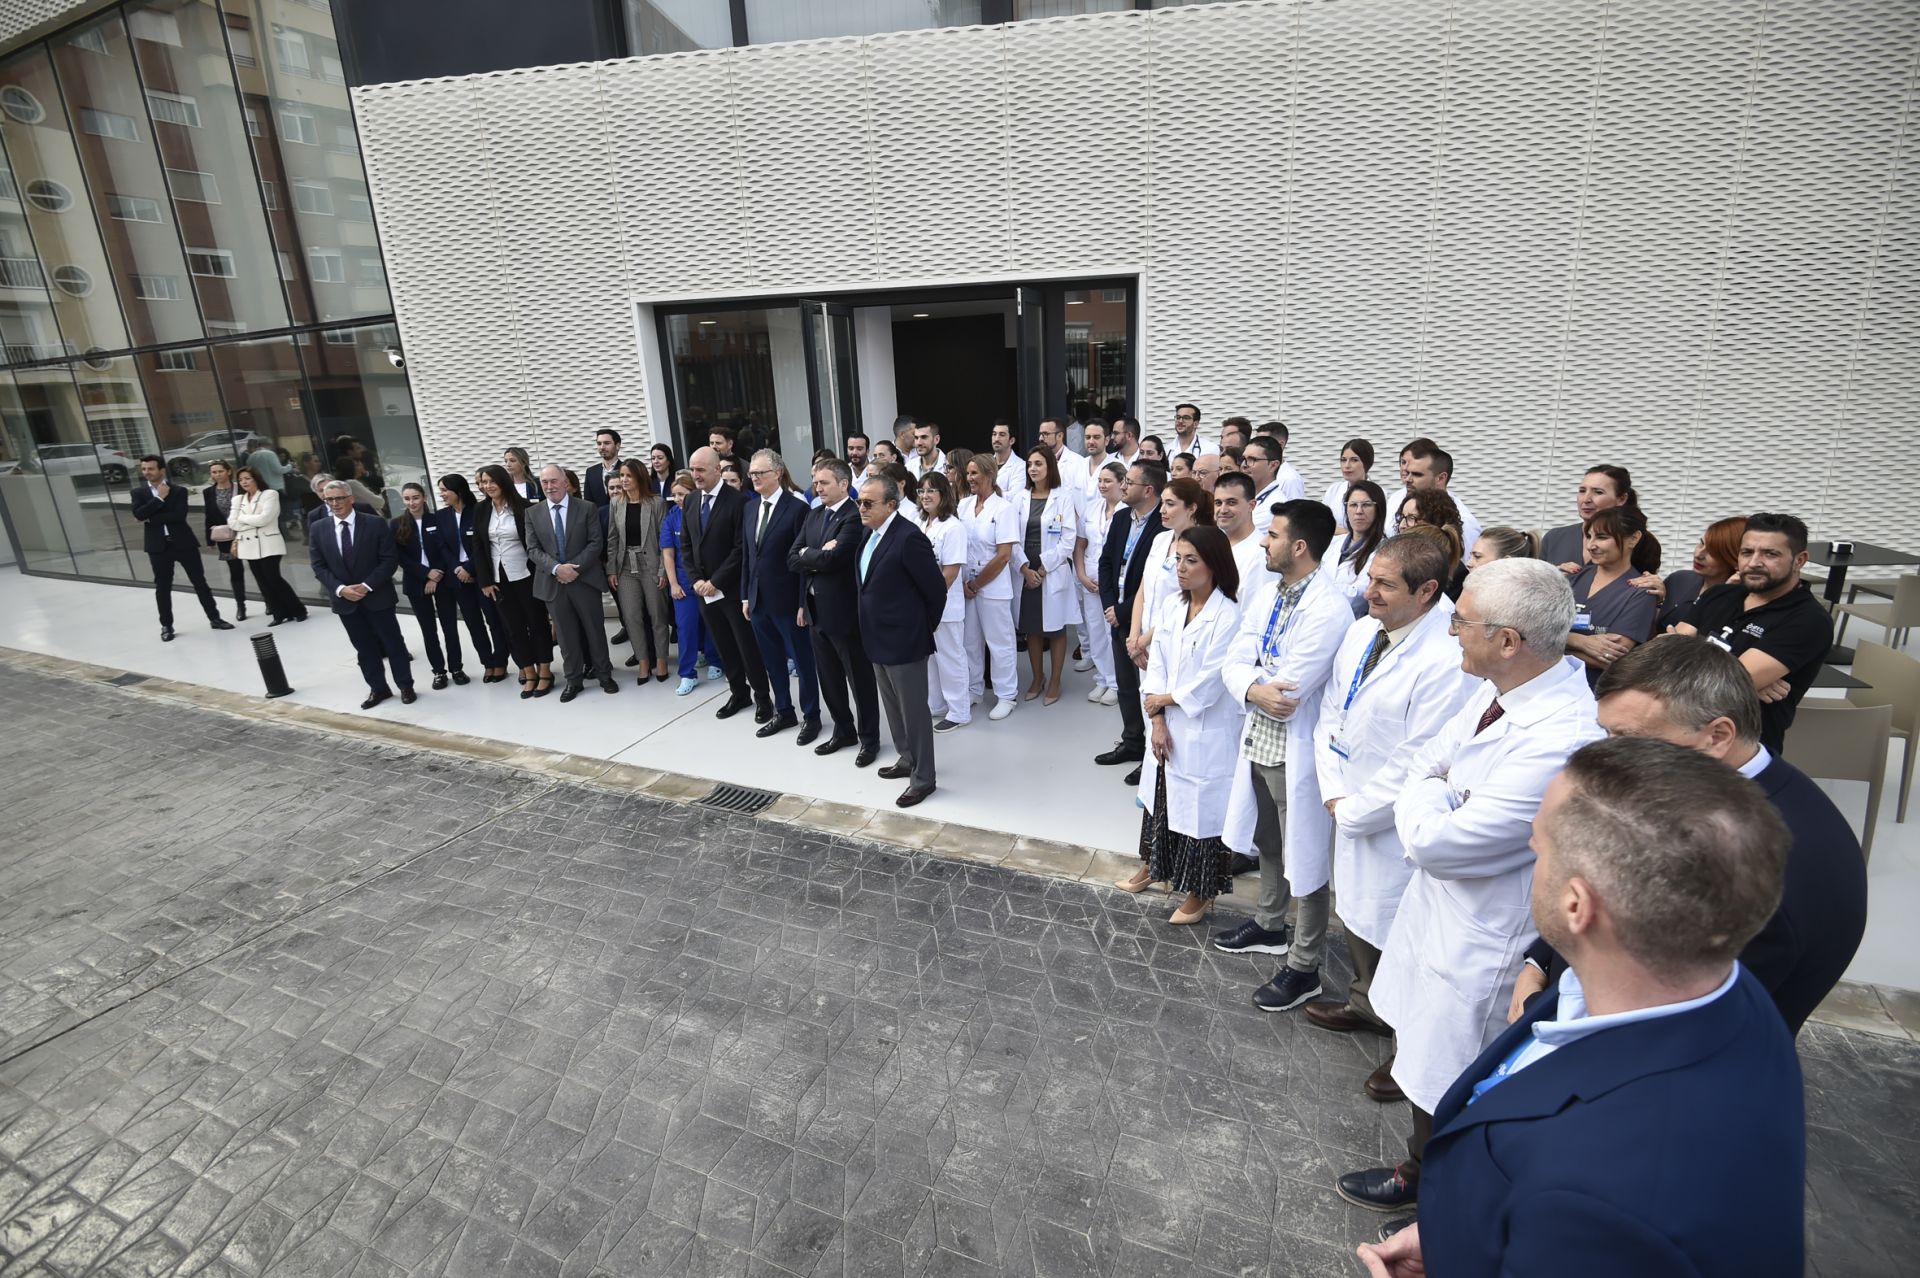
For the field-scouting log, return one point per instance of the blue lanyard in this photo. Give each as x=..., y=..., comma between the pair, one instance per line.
x=1359, y=678
x=1269, y=646
x=1133, y=539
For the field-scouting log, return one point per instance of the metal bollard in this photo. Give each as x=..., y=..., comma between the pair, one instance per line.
x=271, y=671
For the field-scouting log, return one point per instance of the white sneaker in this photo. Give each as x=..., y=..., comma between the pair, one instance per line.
x=1002, y=708
x=1096, y=694
x=1084, y=664
x=1111, y=696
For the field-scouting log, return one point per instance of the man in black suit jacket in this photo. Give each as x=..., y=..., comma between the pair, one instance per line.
x=569, y=576
x=1688, y=691
x=712, y=537
x=824, y=555
x=1122, y=560
x=353, y=556
x=169, y=540
x=607, y=444
x=770, y=525
x=902, y=594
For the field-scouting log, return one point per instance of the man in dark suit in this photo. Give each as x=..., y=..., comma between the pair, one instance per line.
x=712, y=538
x=769, y=526
x=169, y=540
x=565, y=546
x=902, y=594
x=607, y=444
x=1691, y=692
x=824, y=554
x=1646, y=1116
x=1122, y=560
x=354, y=558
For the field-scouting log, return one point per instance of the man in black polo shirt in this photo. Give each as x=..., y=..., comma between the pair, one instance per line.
x=1769, y=620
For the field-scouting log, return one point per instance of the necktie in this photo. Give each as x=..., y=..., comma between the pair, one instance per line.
x=1377, y=651
x=1494, y=711
x=559, y=531
x=706, y=509
x=766, y=509
x=866, y=556
x=346, y=540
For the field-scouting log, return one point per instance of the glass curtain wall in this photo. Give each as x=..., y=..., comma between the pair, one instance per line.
x=188, y=267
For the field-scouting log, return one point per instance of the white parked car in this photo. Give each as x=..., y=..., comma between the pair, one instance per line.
x=110, y=464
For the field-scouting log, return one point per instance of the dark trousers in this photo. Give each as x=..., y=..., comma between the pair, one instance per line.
x=739, y=653
x=1417, y=1144
x=529, y=635
x=903, y=694
x=237, y=579
x=780, y=638
x=842, y=663
x=1126, y=682
x=484, y=626
x=376, y=634
x=180, y=550
x=582, y=629
x=438, y=612
x=275, y=594
x=1366, y=961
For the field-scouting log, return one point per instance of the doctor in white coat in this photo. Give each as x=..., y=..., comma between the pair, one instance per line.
x=1465, y=820
x=1289, y=633
x=1194, y=728
x=1047, y=603
x=1396, y=681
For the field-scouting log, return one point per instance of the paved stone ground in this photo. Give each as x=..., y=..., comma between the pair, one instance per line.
x=281, y=1002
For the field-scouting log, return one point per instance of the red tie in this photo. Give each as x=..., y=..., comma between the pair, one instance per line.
x=1494, y=711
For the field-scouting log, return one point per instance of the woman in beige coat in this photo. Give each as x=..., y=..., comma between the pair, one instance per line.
x=254, y=517
x=634, y=569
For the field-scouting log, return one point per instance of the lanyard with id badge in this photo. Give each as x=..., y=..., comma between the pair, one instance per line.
x=1360, y=674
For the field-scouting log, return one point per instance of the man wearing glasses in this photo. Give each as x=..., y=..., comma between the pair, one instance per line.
x=1465, y=818
x=1186, y=430
x=902, y=595
x=354, y=558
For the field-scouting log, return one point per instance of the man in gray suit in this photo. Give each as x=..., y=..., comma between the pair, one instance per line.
x=569, y=578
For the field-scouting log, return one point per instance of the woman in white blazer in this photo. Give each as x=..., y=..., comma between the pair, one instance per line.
x=258, y=543
x=947, y=667
x=1047, y=513
x=1195, y=734
x=1349, y=556
x=1095, y=519
x=991, y=536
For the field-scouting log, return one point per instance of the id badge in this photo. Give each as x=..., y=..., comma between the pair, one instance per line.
x=1335, y=746
x=1720, y=643
x=1583, y=621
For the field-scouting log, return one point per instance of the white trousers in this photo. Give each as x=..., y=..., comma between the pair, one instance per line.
x=1099, y=641
x=990, y=638
x=947, y=672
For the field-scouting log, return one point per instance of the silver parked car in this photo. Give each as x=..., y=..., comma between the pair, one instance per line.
x=192, y=457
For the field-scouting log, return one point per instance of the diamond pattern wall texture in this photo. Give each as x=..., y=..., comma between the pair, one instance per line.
x=1678, y=235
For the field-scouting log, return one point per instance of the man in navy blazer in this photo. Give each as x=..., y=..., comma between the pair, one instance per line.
x=607, y=444
x=169, y=540
x=711, y=535
x=1684, y=689
x=902, y=594
x=353, y=556
x=1645, y=1117
x=769, y=525
x=823, y=555
x=1122, y=560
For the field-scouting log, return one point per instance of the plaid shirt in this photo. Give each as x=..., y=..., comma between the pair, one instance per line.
x=1265, y=742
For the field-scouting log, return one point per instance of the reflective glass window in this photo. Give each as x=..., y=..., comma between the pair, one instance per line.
x=54, y=221
x=27, y=327
x=265, y=393
x=363, y=407
x=88, y=467
x=772, y=20
x=675, y=26
x=27, y=493
x=181, y=52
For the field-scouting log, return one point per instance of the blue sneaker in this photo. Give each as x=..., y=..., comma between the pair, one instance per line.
x=686, y=685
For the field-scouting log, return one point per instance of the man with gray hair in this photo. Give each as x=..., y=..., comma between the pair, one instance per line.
x=770, y=594
x=1694, y=693
x=902, y=594
x=1465, y=820
x=353, y=556
x=565, y=546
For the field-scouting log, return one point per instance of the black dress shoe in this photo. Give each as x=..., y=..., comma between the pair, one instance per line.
x=569, y=692
x=279, y=620
x=734, y=706
x=835, y=743
x=219, y=623
x=1240, y=863
x=809, y=733
x=461, y=677
x=910, y=796
x=780, y=724
x=621, y=637
x=1133, y=777
x=1121, y=754
x=894, y=771
x=166, y=634
x=1378, y=1189
x=762, y=713
x=375, y=698
x=439, y=682
x=867, y=755
x=240, y=615
x=608, y=685
x=1393, y=1227
x=633, y=660
x=408, y=696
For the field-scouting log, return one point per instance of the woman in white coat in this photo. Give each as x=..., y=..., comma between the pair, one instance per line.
x=992, y=531
x=1048, y=515
x=1366, y=527
x=1184, y=504
x=1095, y=520
x=1195, y=735
x=258, y=543
x=947, y=667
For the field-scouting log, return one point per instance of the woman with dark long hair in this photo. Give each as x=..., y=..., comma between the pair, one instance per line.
x=423, y=575
x=458, y=530
x=1363, y=515
x=1601, y=488
x=634, y=568
x=506, y=577
x=662, y=468
x=259, y=543
x=218, y=500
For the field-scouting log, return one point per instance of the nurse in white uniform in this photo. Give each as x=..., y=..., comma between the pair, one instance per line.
x=947, y=667
x=991, y=536
x=1356, y=462
x=1094, y=523
x=1047, y=513
x=1366, y=528
x=1183, y=504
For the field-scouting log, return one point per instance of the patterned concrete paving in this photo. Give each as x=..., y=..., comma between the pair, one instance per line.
x=276, y=1001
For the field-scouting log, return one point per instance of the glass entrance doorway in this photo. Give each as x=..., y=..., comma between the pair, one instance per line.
x=797, y=374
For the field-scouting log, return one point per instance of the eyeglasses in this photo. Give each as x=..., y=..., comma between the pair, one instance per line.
x=868, y=503
x=758, y=474
x=1456, y=621
x=1185, y=417
x=1362, y=505
x=341, y=497
x=1405, y=521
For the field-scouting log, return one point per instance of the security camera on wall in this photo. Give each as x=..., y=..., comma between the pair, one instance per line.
x=395, y=358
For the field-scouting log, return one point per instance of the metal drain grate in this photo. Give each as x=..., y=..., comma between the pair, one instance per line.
x=128, y=680
x=739, y=798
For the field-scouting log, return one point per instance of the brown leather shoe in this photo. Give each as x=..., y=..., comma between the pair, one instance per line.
x=1342, y=1019
x=1380, y=1085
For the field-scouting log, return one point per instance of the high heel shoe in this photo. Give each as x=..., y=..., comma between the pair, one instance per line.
x=543, y=685
x=1140, y=882
x=526, y=684
x=1189, y=914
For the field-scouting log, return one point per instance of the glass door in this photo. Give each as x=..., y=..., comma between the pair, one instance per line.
x=833, y=383
x=1030, y=314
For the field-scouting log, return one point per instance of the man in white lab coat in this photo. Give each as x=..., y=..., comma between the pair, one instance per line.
x=1012, y=474
x=1263, y=460
x=1465, y=821
x=1395, y=683
x=1289, y=632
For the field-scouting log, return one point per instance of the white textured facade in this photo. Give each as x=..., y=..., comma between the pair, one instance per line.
x=1679, y=235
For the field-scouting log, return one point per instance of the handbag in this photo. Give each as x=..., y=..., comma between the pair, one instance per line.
x=222, y=532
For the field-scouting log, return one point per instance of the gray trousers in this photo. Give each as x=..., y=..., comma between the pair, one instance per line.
x=582, y=627
x=903, y=695
x=1309, y=945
